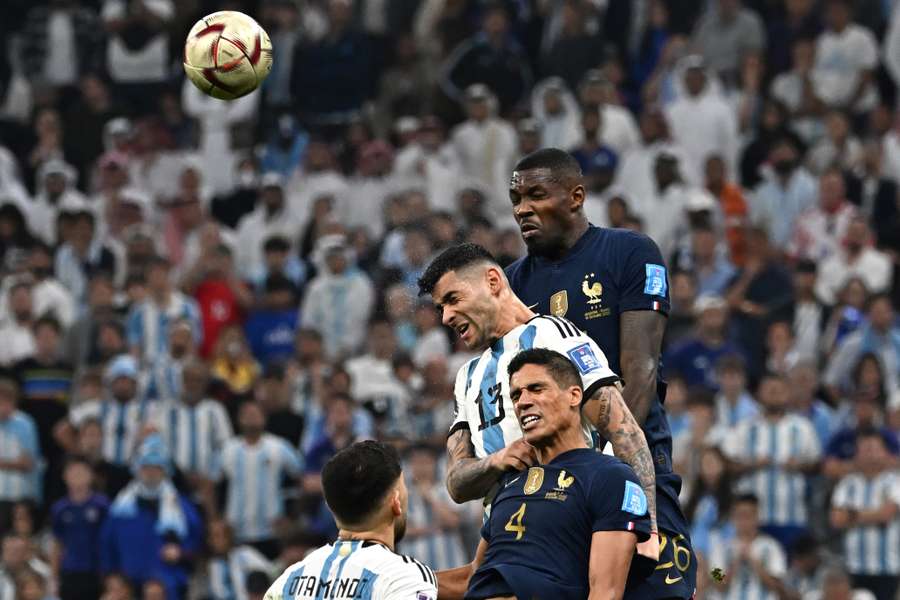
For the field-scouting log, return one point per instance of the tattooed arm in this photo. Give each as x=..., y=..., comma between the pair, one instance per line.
x=471, y=478
x=640, y=339
x=607, y=411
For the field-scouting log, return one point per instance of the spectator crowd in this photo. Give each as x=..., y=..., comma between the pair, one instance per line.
x=202, y=301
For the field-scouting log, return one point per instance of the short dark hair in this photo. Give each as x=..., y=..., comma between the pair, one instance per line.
x=276, y=243
x=731, y=362
x=452, y=259
x=276, y=282
x=356, y=480
x=700, y=395
x=562, y=164
x=561, y=369
x=748, y=498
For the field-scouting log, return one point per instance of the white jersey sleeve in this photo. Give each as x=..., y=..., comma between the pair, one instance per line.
x=556, y=333
x=460, y=417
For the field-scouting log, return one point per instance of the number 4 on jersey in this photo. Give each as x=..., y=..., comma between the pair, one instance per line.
x=515, y=523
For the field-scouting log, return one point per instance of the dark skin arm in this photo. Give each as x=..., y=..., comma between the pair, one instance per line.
x=453, y=583
x=640, y=341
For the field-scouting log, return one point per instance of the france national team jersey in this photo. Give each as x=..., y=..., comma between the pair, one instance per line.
x=870, y=549
x=608, y=272
x=542, y=521
x=483, y=403
x=359, y=570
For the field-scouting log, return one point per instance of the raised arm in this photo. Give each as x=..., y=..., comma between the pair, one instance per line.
x=471, y=478
x=640, y=340
x=607, y=411
x=611, y=553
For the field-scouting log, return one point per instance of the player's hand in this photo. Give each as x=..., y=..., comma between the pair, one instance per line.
x=516, y=457
x=650, y=548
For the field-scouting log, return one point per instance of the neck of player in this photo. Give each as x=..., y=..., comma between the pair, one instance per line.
x=570, y=238
x=514, y=313
x=383, y=535
x=570, y=438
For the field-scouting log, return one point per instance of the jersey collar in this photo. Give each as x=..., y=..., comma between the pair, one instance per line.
x=573, y=252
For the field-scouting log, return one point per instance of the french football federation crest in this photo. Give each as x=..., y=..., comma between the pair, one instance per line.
x=563, y=482
x=592, y=291
x=559, y=303
x=535, y=480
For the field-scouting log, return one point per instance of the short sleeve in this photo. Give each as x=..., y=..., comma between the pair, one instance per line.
x=644, y=281
x=290, y=459
x=812, y=447
x=617, y=502
x=775, y=560
x=733, y=446
x=83, y=412
x=841, y=496
x=866, y=49
x=463, y=376
x=564, y=337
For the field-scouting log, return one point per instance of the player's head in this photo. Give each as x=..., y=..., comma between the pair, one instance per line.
x=546, y=392
x=364, y=488
x=547, y=195
x=469, y=288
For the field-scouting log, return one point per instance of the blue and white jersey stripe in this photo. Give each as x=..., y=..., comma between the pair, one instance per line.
x=358, y=570
x=483, y=404
x=745, y=584
x=870, y=549
x=254, y=473
x=147, y=327
x=195, y=434
x=228, y=574
x=19, y=438
x=121, y=423
x=781, y=492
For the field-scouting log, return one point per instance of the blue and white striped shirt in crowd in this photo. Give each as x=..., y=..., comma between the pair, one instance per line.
x=195, y=434
x=121, y=424
x=870, y=549
x=255, y=473
x=163, y=379
x=743, y=582
x=148, y=324
x=228, y=574
x=18, y=438
x=441, y=549
x=781, y=493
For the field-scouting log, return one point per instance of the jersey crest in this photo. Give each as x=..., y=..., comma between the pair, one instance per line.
x=534, y=481
x=559, y=303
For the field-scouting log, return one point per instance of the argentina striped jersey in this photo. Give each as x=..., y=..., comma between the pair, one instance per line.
x=870, y=549
x=483, y=403
x=360, y=570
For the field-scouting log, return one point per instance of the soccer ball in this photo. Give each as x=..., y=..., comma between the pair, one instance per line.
x=227, y=55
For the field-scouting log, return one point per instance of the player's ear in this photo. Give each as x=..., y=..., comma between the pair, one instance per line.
x=575, y=396
x=397, y=502
x=576, y=197
x=494, y=279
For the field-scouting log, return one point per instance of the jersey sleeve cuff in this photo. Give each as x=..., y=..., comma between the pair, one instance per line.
x=457, y=427
x=592, y=389
x=660, y=306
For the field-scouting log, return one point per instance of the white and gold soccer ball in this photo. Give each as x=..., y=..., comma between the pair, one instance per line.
x=227, y=54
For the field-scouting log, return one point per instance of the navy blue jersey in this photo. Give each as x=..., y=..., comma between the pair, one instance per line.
x=606, y=273
x=542, y=520
x=77, y=528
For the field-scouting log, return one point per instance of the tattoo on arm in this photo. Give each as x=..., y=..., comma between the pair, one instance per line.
x=640, y=339
x=468, y=478
x=607, y=411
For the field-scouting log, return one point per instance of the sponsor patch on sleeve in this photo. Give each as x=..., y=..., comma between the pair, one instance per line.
x=424, y=596
x=634, y=502
x=584, y=358
x=655, y=281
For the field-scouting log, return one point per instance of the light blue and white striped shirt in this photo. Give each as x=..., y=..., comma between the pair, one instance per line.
x=163, y=379
x=148, y=324
x=440, y=550
x=228, y=574
x=744, y=584
x=870, y=549
x=195, y=434
x=781, y=493
x=19, y=437
x=120, y=422
x=254, y=474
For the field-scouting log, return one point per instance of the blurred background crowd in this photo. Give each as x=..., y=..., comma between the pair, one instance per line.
x=202, y=301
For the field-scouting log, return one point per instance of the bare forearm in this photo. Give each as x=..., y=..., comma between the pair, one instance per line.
x=607, y=411
x=471, y=479
x=452, y=583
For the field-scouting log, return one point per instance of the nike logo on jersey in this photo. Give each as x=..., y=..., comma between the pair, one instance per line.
x=512, y=482
x=670, y=581
x=533, y=306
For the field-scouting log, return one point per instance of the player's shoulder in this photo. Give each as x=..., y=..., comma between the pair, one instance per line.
x=414, y=571
x=554, y=327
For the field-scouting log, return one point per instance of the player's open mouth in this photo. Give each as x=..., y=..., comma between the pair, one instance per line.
x=462, y=329
x=528, y=229
x=528, y=420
